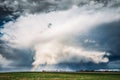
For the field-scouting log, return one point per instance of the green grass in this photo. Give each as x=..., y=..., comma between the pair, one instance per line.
x=60, y=76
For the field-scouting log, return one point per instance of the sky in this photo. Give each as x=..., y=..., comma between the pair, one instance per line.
x=59, y=35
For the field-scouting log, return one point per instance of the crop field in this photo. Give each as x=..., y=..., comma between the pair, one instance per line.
x=60, y=76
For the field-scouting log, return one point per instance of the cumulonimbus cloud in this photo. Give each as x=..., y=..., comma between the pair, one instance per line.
x=53, y=35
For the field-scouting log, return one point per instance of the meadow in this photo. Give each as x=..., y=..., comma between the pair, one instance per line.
x=60, y=76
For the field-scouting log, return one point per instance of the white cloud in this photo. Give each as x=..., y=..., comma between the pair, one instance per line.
x=53, y=53
x=64, y=23
x=57, y=52
x=56, y=43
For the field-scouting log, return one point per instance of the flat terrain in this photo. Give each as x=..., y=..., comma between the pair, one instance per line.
x=60, y=76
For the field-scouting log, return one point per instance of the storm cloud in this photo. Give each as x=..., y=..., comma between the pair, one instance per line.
x=59, y=34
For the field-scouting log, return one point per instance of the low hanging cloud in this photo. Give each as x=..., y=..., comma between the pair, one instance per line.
x=57, y=52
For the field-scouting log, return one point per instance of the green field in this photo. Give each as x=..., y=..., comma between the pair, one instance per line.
x=60, y=76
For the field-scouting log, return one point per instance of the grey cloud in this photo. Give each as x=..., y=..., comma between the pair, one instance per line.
x=19, y=58
x=73, y=66
x=114, y=64
x=106, y=37
x=33, y=6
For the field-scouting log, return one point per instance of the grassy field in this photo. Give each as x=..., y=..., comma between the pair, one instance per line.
x=60, y=76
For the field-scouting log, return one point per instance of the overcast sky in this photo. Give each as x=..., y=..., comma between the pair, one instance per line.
x=67, y=35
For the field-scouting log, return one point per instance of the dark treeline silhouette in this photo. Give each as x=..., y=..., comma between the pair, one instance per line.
x=96, y=71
